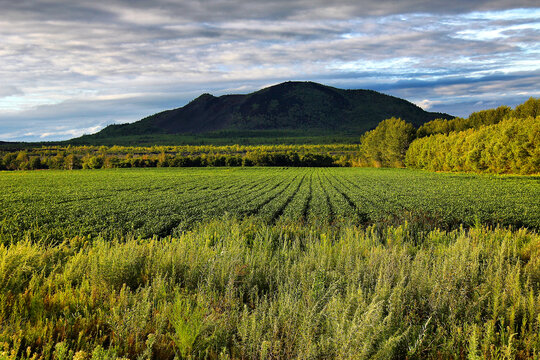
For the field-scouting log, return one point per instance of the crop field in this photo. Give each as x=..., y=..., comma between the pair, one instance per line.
x=268, y=263
x=146, y=202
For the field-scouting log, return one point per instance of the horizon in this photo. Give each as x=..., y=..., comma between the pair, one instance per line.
x=72, y=68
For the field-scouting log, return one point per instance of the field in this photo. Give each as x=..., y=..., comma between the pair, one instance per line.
x=268, y=263
x=146, y=202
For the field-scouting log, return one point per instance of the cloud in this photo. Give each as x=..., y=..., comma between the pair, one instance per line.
x=8, y=90
x=155, y=12
x=426, y=104
x=86, y=64
x=62, y=132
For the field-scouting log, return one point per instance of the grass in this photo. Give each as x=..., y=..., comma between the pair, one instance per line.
x=245, y=290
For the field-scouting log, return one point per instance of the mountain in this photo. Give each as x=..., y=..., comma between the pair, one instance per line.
x=286, y=110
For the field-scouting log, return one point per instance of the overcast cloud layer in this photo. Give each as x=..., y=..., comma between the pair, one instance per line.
x=72, y=67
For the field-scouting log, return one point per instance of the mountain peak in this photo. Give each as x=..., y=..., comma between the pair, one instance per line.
x=302, y=106
x=205, y=96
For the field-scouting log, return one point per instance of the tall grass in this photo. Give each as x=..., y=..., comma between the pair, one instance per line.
x=246, y=290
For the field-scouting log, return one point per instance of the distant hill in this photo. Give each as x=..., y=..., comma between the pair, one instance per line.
x=287, y=110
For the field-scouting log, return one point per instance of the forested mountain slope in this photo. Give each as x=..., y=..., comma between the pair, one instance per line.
x=292, y=108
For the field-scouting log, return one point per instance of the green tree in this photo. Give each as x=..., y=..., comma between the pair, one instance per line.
x=72, y=162
x=9, y=161
x=474, y=121
x=35, y=163
x=56, y=162
x=163, y=160
x=93, y=162
x=21, y=161
x=387, y=144
x=530, y=108
x=510, y=146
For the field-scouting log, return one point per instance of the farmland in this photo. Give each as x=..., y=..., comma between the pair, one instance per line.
x=53, y=205
x=268, y=263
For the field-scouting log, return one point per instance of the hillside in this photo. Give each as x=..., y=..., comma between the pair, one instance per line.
x=289, y=110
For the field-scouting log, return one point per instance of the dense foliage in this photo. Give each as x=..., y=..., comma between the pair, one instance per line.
x=48, y=206
x=230, y=290
x=500, y=140
x=93, y=157
x=387, y=144
x=530, y=108
x=474, y=121
x=511, y=146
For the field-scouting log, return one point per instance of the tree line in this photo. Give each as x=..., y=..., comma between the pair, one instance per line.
x=22, y=160
x=511, y=146
x=498, y=140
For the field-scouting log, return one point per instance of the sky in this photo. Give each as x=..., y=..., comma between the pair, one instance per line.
x=72, y=67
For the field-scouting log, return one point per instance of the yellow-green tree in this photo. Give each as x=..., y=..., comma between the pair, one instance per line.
x=387, y=144
x=530, y=108
x=511, y=146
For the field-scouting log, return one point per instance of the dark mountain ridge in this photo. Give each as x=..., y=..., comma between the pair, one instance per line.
x=291, y=106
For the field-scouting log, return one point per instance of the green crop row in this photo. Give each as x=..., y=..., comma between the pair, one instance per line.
x=53, y=205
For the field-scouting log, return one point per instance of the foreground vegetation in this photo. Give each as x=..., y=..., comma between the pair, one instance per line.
x=248, y=290
x=53, y=205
